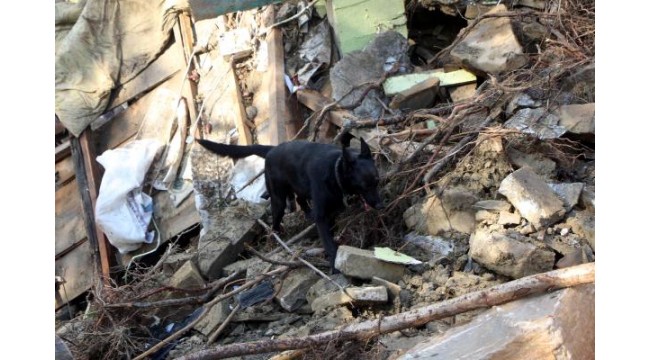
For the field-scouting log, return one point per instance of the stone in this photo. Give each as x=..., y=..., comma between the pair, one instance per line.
x=491, y=46
x=393, y=289
x=356, y=295
x=513, y=256
x=532, y=197
x=419, y=96
x=451, y=211
x=187, y=277
x=217, y=314
x=224, y=234
x=245, y=265
x=583, y=223
x=540, y=327
x=462, y=92
x=367, y=66
x=578, y=118
x=486, y=216
x=537, y=122
x=61, y=351
x=508, y=218
x=588, y=198
x=363, y=264
x=174, y=261
x=294, y=288
x=493, y=205
x=435, y=247
x=539, y=164
x=324, y=286
x=569, y=193
x=576, y=257
x=521, y=101
x=355, y=23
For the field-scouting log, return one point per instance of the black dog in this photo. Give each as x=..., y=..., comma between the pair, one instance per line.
x=320, y=173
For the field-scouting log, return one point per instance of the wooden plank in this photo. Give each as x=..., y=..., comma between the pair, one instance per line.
x=207, y=9
x=279, y=114
x=184, y=30
x=62, y=151
x=63, y=172
x=161, y=69
x=125, y=125
x=237, y=103
x=68, y=219
x=315, y=101
x=78, y=271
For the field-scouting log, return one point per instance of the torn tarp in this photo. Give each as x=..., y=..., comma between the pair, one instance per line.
x=111, y=42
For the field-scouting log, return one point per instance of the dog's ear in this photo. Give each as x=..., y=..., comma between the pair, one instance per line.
x=345, y=140
x=365, y=150
x=348, y=159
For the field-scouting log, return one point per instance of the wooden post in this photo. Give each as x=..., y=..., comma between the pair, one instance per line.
x=278, y=111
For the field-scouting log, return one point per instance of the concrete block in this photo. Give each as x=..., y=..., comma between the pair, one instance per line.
x=187, y=277
x=217, y=314
x=493, y=205
x=512, y=256
x=356, y=295
x=294, y=288
x=393, y=289
x=569, y=193
x=557, y=325
x=508, y=218
x=583, y=223
x=363, y=264
x=542, y=166
x=452, y=211
x=324, y=286
x=532, y=197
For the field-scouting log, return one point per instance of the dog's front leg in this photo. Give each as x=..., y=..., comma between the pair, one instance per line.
x=325, y=232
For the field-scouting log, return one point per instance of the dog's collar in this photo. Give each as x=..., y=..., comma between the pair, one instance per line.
x=336, y=173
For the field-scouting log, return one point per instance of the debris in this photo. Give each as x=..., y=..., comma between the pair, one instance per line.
x=187, y=277
x=491, y=46
x=418, y=96
x=398, y=84
x=352, y=33
x=493, y=205
x=576, y=257
x=235, y=44
x=392, y=256
x=355, y=295
x=224, y=234
x=462, y=92
x=262, y=292
x=515, y=257
x=508, y=218
x=393, y=289
x=541, y=327
x=568, y=193
x=536, y=162
x=62, y=352
x=435, y=247
x=363, y=264
x=521, y=101
x=452, y=211
x=315, y=52
x=215, y=317
x=578, y=118
x=294, y=288
x=532, y=197
x=324, y=286
x=588, y=198
x=536, y=122
x=583, y=224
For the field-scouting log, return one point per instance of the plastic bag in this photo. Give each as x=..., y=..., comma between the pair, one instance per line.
x=123, y=211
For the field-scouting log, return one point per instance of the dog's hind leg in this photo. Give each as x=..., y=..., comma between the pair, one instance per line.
x=305, y=207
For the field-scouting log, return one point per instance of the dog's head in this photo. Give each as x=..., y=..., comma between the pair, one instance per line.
x=361, y=175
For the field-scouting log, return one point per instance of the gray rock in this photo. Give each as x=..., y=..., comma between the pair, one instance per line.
x=187, y=277
x=294, y=288
x=324, y=286
x=557, y=325
x=578, y=118
x=393, y=289
x=532, y=197
x=569, y=193
x=491, y=46
x=537, y=122
x=493, y=205
x=355, y=295
x=452, y=211
x=508, y=218
x=583, y=223
x=217, y=314
x=61, y=350
x=363, y=264
x=539, y=164
x=510, y=256
x=436, y=247
x=588, y=198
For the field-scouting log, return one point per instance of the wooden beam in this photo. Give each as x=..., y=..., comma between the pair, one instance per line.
x=208, y=9
x=316, y=102
x=279, y=114
x=237, y=102
x=62, y=151
x=88, y=176
x=184, y=36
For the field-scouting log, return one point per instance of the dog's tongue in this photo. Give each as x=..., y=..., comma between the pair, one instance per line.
x=366, y=206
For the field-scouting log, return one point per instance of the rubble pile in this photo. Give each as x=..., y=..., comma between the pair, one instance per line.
x=486, y=152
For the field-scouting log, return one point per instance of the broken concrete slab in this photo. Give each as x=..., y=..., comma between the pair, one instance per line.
x=538, y=122
x=493, y=205
x=355, y=295
x=435, y=247
x=416, y=97
x=387, y=49
x=395, y=85
x=583, y=224
x=578, y=118
x=508, y=218
x=510, y=255
x=491, y=46
x=532, y=197
x=187, y=277
x=294, y=288
x=541, y=327
x=352, y=34
x=452, y=211
x=568, y=193
x=224, y=234
x=324, y=286
x=393, y=289
x=363, y=264
x=217, y=314
x=541, y=165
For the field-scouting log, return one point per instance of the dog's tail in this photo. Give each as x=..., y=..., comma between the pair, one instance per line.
x=235, y=151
